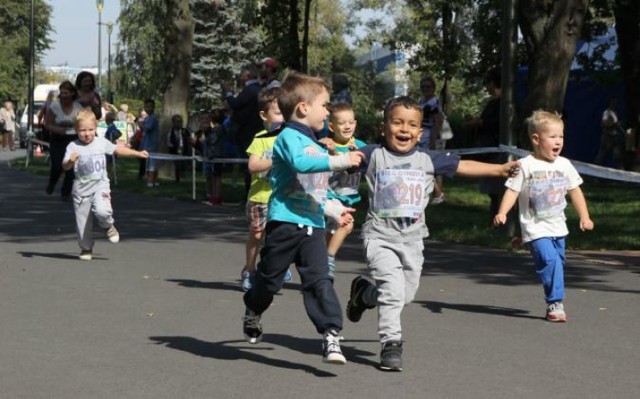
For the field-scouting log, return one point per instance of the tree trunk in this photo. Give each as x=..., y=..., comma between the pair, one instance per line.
x=294, y=40
x=551, y=29
x=178, y=48
x=627, y=13
x=305, y=36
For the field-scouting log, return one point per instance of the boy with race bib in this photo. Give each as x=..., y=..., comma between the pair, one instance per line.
x=91, y=192
x=540, y=191
x=400, y=179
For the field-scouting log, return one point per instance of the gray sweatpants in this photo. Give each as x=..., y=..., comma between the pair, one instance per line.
x=98, y=204
x=396, y=269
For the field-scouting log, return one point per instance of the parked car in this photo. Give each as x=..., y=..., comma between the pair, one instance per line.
x=40, y=94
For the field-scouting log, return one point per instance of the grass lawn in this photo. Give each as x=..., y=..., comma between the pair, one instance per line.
x=463, y=218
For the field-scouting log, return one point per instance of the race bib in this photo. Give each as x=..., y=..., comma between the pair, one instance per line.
x=547, y=193
x=344, y=183
x=90, y=167
x=399, y=193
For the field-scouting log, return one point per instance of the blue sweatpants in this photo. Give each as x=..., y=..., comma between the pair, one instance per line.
x=549, y=258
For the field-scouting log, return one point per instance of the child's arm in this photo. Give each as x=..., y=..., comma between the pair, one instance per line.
x=258, y=165
x=338, y=212
x=481, y=169
x=508, y=201
x=580, y=203
x=67, y=164
x=130, y=152
x=295, y=156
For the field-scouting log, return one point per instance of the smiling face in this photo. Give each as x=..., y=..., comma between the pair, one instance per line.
x=86, y=129
x=401, y=130
x=548, y=141
x=343, y=125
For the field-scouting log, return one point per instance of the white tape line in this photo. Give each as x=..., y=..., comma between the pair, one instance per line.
x=174, y=157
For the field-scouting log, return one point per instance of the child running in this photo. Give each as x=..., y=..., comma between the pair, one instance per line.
x=91, y=192
x=295, y=222
x=343, y=185
x=400, y=180
x=260, y=153
x=540, y=189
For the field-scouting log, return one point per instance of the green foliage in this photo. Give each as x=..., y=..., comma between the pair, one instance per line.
x=15, y=18
x=222, y=43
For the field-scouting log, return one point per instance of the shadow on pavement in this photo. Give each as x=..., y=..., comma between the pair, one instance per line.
x=225, y=351
x=437, y=307
x=223, y=285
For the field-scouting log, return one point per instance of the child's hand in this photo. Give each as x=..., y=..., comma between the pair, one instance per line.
x=329, y=145
x=74, y=157
x=586, y=224
x=346, y=218
x=510, y=169
x=143, y=154
x=499, y=219
x=355, y=158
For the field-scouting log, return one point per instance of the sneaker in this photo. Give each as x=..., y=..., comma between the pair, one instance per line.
x=252, y=327
x=247, y=278
x=149, y=185
x=113, y=235
x=156, y=184
x=86, y=255
x=355, y=306
x=287, y=276
x=555, y=312
x=437, y=200
x=331, y=352
x=391, y=356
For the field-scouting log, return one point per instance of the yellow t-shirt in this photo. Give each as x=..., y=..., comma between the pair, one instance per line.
x=260, y=189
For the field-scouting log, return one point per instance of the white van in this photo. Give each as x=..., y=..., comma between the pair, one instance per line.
x=40, y=94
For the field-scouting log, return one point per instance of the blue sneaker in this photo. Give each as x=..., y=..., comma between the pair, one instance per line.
x=247, y=278
x=287, y=277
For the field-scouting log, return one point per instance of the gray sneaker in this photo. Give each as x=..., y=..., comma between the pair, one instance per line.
x=391, y=356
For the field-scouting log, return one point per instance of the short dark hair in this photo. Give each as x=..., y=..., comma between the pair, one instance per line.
x=494, y=75
x=296, y=88
x=83, y=75
x=401, y=101
x=149, y=100
x=266, y=97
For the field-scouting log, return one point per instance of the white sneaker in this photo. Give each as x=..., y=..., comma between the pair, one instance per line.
x=113, y=235
x=86, y=255
x=331, y=352
x=437, y=200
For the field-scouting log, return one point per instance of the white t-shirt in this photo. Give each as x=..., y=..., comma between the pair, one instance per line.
x=91, y=166
x=60, y=116
x=542, y=187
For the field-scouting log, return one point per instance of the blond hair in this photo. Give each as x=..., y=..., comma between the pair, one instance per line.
x=86, y=114
x=296, y=88
x=539, y=119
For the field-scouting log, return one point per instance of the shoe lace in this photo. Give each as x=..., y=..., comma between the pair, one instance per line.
x=332, y=342
x=252, y=322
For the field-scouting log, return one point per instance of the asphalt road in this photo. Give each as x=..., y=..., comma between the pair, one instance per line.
x=159, y=315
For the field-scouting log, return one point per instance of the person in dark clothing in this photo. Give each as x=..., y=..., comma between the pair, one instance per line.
x=245, y=116
x=179, y=142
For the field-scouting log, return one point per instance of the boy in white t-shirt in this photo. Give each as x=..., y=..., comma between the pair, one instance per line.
x=91, y=192
x=540, y=189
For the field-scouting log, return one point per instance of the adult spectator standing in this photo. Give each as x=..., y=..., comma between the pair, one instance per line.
x=150, y=141
x=245, y=116
x=8, y=126
x=179, y=142
x=88, y=97
x=341, y=94
x=269, y=72
x=59, y=121
x=613, y=136
x=487, y=127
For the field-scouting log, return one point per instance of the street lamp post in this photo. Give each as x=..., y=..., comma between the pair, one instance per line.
x=32, y=55
x=100, y=5
x=109, y=26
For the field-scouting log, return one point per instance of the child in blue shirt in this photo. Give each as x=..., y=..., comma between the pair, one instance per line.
x=300, y=173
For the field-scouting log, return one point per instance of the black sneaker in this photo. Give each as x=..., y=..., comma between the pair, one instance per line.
x=355, y=306
x=331, y=352
x=391, y=356
x=252, y=327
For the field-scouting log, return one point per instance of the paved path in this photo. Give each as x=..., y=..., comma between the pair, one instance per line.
x=158, y=316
